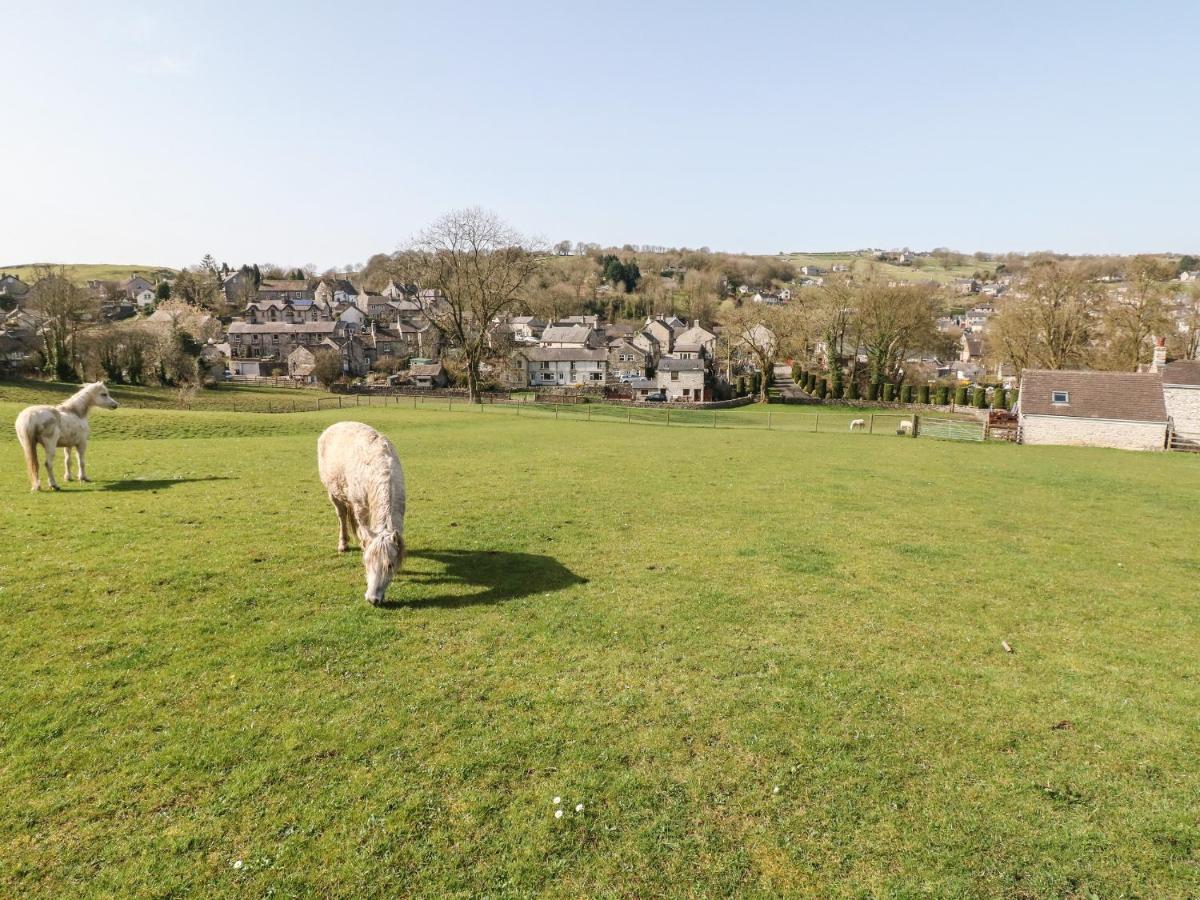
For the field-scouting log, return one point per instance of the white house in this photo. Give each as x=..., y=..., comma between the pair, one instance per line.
x=578, y=337
x=144, y=298
x=562, y=366
x=697, y=337
x=681, y=379
x=1124, y=410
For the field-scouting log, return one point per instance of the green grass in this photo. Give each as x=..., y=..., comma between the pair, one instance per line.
x=229, y=397
x=81, y=273
x=925, y=269
x=767, y=663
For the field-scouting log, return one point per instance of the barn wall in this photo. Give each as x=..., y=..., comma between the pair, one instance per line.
x=1183, y=405
x=1068, y=431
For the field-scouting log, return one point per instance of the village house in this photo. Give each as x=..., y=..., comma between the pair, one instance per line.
x=662, y=334
x=695, y=336
x=681, y=379
x=12, y=288
x=562, y=366
x=572, y=336
x=810, y=270
x=526, y=329
x=1124, y=410
x=626, y=360
x=971, y=348
x=335, y=292
x=641, y=388
x=256, y=348
x=285, y=289
x=647, y=342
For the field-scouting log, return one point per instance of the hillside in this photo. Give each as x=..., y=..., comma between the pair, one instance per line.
x=84, y=272
x=924, y=268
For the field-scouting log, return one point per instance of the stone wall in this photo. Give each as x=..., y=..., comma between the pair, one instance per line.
x=1183, y=406
x=1073, y=432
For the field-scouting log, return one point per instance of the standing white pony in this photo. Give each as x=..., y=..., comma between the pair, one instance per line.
x=858, y=424
x=66, y=426
x=362, y=474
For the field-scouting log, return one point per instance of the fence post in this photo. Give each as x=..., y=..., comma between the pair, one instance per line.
x=668, y=417
x=714, y=418
x=816, y=422
x=555, y=412
x=768, y=420
x=871, y=427
x=293, y=406
x=589, y=412
x=339, y=401
x=916, y=424
x=629, y=415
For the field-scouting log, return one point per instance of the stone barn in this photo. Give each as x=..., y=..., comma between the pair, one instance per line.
x=1124, y=410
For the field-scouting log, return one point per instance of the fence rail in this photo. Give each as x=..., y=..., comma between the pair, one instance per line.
x=1184, y=442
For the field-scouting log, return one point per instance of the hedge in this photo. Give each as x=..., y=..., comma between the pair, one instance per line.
x=906, y=393
x=923, y=394
x=873, y=391
x=960, y=396
x=849, y=391
x=822, y=388
x=888, y=389
x=1012, y=397
x=979, y=398
x=998, y=399
x=943, y=395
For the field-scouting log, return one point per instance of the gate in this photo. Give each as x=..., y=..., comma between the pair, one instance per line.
x=950, y=429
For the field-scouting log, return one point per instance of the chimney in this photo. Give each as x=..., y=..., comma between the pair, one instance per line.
x=1160, y=355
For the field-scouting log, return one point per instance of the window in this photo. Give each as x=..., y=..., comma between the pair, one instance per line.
x=1060, y=397
x=674, y=376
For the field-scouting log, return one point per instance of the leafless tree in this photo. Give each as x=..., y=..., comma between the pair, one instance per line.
x=471, y=267
x=66, y=308
x=1049, y=321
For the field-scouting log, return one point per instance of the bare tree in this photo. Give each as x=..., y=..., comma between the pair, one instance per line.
x=66, y=308
x=890, y=320
x=1137, y=315
x=1050, y=320
x=759, y=332
x=471, y=267
x=327, y=367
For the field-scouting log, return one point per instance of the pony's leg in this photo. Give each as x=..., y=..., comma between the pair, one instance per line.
x=50, y=446
x=67, y=464
x=343, y=514
x=80, y=465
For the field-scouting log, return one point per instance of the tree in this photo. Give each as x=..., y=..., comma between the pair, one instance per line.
x=890, y=320
x=162, y=290
x=760, y=332
x=471, y=267
x=327, y=367
x=563, y=248
x=196, y=287
x=66, y=307
x=1049, y=321
x=1136, y=316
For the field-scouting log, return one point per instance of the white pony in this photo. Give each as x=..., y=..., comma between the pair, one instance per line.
x=362, y=474
x=858, y=424
x=66, y=426
x=905, y=427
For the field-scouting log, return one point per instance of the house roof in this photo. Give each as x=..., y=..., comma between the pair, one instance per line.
x=641, y=384
x=696, y=335
x=568, y=334
x=282, y=327
x=563, y=354
x=670, y=364
x=1126, y=396
x=1182, y=371
x=687, y=348
x=279, y=284
x=432, y=370
x=531, y=321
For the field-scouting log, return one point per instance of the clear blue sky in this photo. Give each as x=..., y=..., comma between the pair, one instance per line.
x=321, y=133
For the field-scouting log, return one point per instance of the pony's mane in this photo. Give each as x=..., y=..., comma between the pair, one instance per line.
x=385, y=549
x=81, y=401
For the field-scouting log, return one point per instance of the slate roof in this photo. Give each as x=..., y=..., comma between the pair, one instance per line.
x=1182, y=371
x=564, y=354
x=670, y=364
x=1125, y=396
x=571, y=334
x=282, y=327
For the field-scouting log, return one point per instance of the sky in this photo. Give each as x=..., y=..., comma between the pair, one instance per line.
x=321, y=133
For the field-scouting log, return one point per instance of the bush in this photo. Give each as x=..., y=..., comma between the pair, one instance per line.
x=822, y=388
x=1012, y=397
x=852, y=391
x=888, y=392
x=835, y=381
x=960, y=395
x=923, y=394
x=998, y=400
x=810, y=383
x=873, y=391
x=906, y=393
x=943, y=395
x=848, y=391
x=755, y=383
x=979, y=398
x=796, y=372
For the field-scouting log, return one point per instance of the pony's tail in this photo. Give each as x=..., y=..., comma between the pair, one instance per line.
x=26, y=438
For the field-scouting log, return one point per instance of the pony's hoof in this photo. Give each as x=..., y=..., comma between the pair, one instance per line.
x=343, y=548
x=55, y=487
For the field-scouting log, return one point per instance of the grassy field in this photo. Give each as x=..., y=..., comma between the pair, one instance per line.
x=81, y=273
x=228, y=397
x=925, y=269
x=765, y=663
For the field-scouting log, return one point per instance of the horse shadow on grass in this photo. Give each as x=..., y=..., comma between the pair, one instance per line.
x=502, y=576
x=154, y=484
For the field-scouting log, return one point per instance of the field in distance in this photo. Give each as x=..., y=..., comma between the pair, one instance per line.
x=763, y=662
x=81, y=273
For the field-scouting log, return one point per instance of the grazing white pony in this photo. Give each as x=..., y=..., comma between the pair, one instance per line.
x=66, y=426
x=362, y=474
x=905, y=427
x=858, y=424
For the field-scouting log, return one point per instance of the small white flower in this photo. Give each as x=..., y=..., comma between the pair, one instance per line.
x=578, y=807
x=238, y=864
x=558, y=814
x=557, y=800
x=776, y=791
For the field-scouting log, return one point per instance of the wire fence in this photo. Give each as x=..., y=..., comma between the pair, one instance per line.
x=762, y=418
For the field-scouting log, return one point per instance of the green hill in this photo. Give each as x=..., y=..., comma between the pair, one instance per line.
x=85, y=272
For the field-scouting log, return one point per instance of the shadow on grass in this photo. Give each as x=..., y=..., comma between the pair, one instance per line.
x=502, y=576
x=155, y=484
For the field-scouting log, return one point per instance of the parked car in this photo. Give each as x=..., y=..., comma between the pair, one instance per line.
x=660, y=397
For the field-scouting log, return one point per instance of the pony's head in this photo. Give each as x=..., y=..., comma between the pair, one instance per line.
x=383, y=556
x=99, y=395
